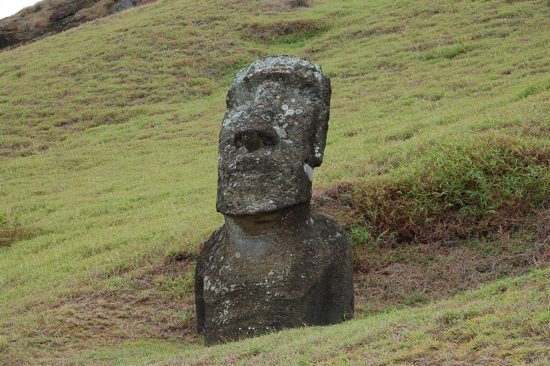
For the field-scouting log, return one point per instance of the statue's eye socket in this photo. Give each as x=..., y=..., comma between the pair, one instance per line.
x=253, y=140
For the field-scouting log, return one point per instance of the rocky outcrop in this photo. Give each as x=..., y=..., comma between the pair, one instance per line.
x=122, y=5
x=8, y=34
x=19, y=29
x=66, y=14
x=274, y=264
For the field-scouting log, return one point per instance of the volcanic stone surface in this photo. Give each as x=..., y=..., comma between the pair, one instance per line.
x=272, y=136
x=274, y=264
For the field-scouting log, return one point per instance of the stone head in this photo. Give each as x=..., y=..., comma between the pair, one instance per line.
x=273, y=135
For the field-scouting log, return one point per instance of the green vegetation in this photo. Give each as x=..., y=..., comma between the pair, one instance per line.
x=9, y=229
x=439, y=138
x=454, y=189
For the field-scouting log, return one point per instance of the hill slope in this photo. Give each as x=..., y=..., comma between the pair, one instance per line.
x=439, y=126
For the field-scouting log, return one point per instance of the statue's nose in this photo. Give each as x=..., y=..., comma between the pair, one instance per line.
x=258, y=132
x=255, y=139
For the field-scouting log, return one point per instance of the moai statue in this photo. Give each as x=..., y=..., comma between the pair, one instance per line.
x=274, y=264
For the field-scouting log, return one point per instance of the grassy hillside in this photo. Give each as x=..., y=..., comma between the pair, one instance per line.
x=437, y=159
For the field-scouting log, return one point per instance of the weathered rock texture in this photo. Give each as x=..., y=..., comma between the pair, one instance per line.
x=273, y=135
x=274, y=264
x=122, y=5
x=49, y=18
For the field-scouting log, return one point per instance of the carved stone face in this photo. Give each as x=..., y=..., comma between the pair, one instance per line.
x=273, y=135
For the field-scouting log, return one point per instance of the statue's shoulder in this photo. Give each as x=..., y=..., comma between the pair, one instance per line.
x=218, y=234
x=214, y=242
x=328, y=228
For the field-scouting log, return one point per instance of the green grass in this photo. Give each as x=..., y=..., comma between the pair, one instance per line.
x=108, y=161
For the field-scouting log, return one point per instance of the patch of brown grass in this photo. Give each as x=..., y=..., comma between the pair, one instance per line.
x=454, y=254
x=415, y=275
x=282, y=32
x=285, y=5
x=141, y=310
x=543, y=227
x=12, y=230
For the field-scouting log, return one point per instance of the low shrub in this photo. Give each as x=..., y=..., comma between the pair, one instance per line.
x=454, y=190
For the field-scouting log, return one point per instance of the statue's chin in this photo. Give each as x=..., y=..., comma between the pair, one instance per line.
x=253, y=205
x=255, y=196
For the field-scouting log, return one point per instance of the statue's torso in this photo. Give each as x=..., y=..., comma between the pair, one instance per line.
x=275, y=281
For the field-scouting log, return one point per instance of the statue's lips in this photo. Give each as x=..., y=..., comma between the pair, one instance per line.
x=264, y=165
x=273, y=169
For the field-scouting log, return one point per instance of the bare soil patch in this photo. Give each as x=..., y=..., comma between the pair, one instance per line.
x=148, y=308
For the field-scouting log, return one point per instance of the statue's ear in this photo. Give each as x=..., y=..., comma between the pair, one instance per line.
x=320, y=137
x=322, y=124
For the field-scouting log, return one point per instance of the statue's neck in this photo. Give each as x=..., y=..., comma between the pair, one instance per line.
x=271, y=223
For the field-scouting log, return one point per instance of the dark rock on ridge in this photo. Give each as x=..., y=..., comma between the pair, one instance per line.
x=122, y=5
x=64, y=15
